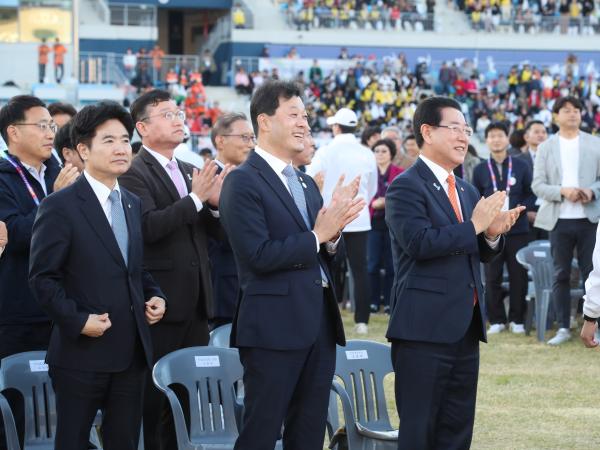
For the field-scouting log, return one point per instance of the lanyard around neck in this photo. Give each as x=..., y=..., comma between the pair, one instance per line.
x=493, y=175
x=24, y=178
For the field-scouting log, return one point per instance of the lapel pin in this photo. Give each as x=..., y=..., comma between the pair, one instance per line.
x=189, y=176
x=436, y=186
x=128, y=205
x=462, y=189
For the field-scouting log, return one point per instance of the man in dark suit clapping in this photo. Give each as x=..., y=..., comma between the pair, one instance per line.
x=86, y=273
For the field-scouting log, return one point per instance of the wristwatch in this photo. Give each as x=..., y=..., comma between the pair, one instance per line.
x=590, y=319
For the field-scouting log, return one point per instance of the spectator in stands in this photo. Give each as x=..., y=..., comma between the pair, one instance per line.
x=43, y=51
x=343, y=53
x=28, y=173
x=369, y=136
x=242, y=83
x=446, y=78
x=345, y=155
x=503, y=172
x=395, y=134
x=59, y=60
x=238, y=16
x=3, y=237
x=130, y=63
x=86, y=272
x=571, y=205
x=61, y=113
x=176, y=201
x=209, y=68
x=157, y=54
x=66, y=151
x=234, y=139
x=379, y=247
x=315, y=73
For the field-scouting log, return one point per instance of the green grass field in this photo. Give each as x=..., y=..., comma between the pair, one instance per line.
x=530, y=396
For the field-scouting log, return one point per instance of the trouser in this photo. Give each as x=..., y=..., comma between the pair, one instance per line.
x=379, y=256
x=159, y=427
x=119, y=395
x=18, y=339
x=356, y=253
x=436, y=390
x=289, y=387
x=42, y=72
x=568, y=235
x=59, y=70
x=517, y=279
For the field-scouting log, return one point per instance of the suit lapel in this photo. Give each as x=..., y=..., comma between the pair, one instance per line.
x=160, y=173
x=465, y=205
x=437, y=190
x=271, y=178
x=187, y=175
x=556, y=156
x=133, y=227
x=94, y=214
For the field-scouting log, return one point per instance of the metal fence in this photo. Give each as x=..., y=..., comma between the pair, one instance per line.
x=134, y=15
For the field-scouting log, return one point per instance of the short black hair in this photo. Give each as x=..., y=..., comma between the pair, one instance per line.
x=389, y=144
x=136, y=147
x=573, y=101
x=223, y=125
x=14, y=111
x=86, y=122
x=205, y=151
x=368, y=134
x=150, y=98
x=532, y=123
x=61, y=108
x=265, y=99
x=517, y=139
x=62, y=139
x=496, y=126
x=429, y=112
x=410, y=137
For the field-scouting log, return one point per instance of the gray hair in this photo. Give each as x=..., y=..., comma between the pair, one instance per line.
x=223, y=125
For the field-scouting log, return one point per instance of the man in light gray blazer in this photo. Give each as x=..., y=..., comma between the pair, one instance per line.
x=566, y=177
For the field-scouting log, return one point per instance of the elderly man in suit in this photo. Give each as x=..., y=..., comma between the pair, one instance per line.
x=441, y=231
x=566, y=177
x=287, y=320
x=178, y=210
x=86, y=273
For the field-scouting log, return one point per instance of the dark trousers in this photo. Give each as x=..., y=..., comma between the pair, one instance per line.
x=568, y=235
x=436, y=389
x=42, y=72
x=59, y=71
x=159, y=428
x=355, y=244
x=517, y=278
x=379, y=256
x=119, y=395
x=288, y=387
x=18, y=339
x=537, y=234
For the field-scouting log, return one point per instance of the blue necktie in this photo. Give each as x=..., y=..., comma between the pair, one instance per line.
x=300, y=201
x=119, y=224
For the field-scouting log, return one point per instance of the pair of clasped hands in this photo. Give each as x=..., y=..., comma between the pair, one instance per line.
x=573, y=194
x=488, y=217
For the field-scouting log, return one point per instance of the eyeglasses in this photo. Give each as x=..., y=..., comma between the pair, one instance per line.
x=44, y=126
x=247, y=138
x=467, y=131
x=169, y=115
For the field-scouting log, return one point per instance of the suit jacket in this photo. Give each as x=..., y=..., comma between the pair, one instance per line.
x=282, y=297
x=436, y=259
x=547, y=178
x=77, y=269
x=175, y=237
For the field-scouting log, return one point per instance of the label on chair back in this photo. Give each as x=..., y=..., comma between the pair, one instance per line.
x=38, y=365
x=357, y=354
x=207, y=361
x=539, y=254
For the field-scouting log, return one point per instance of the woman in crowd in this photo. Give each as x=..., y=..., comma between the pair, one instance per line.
x=379, y=253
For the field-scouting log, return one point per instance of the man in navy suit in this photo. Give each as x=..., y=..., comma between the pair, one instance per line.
x=440, y=233
x=86, y=273
x=287, y=320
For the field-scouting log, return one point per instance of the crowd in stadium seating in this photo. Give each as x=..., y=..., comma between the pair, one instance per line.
x=563, y=16
x=360, y=14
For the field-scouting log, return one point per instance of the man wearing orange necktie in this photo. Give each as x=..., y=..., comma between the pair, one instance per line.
x=440, y=232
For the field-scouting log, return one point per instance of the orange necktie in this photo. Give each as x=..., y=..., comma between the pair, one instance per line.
x=454, y=202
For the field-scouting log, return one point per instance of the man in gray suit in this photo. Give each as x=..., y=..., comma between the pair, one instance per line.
x=566, y=176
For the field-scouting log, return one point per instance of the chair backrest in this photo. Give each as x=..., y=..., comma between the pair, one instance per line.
x=362, y=366
x=28, y=374
x=538, y=259
x=219, y=337
x=209, y=375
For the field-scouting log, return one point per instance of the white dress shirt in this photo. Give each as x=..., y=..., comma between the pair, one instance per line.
x=278, y=166
x=591, y=306
x=569, y=161
x=39, y=176
x=102, y=192
x=163, y=161
x=345, y=155
x=442, y=176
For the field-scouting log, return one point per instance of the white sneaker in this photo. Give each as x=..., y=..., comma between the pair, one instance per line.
x=562, y=336
x=361, y=328
x=496, y=328
x=516, y=328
